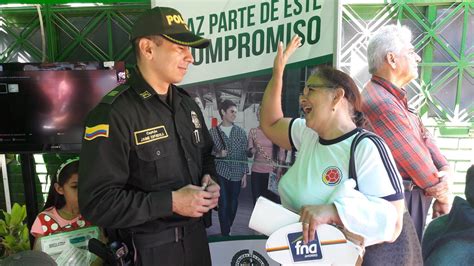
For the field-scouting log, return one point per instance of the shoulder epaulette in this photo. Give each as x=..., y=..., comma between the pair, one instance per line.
x=110, y=97
x=182, y=91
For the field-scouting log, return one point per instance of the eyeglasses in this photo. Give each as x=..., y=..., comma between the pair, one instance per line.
x=312, y=87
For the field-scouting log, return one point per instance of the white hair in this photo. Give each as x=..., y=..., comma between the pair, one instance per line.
x=389, y=38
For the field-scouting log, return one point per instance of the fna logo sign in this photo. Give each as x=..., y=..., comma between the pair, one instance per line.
x=302, y=252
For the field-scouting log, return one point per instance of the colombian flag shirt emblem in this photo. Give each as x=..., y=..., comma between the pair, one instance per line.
x=101, y=130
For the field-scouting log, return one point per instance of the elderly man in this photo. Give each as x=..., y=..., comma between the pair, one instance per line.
x=393, y=64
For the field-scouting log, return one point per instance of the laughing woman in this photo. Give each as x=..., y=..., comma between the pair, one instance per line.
x=317, y=185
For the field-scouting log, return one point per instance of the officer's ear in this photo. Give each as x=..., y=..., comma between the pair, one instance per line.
x=145, y=46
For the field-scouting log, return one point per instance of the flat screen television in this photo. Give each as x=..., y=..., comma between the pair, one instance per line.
x=43, y=106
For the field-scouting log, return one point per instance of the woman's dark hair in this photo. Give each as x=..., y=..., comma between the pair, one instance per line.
x=339, y=79
x=225, y=105
x=63, y=174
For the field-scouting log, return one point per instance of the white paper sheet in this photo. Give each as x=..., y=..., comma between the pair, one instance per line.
x=268, y=216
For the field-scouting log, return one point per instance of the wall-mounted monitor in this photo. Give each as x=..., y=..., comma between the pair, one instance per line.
x=43, y=106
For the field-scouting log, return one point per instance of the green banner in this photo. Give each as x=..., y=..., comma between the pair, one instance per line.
x=245, y=34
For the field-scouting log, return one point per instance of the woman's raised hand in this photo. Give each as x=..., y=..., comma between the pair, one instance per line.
x=282, y=56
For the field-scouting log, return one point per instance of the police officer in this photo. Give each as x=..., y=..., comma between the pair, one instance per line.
x=146, y=162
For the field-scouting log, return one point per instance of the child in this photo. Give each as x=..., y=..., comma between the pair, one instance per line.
x=61, y=210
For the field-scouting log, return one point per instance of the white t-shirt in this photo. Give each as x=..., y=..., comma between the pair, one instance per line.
x=226, y=130
x=323, y=165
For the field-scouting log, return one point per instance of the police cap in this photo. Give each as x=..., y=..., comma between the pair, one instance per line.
x=169, y=23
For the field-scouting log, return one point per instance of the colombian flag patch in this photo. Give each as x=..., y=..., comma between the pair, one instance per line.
x=101, y=130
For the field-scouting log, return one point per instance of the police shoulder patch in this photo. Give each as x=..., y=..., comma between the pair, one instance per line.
x=97, y=122
x=110, y=97
x=100, y=130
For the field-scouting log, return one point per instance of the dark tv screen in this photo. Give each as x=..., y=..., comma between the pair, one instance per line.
x=43, y=106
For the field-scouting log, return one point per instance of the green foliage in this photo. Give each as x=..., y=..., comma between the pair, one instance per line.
x=14, y=235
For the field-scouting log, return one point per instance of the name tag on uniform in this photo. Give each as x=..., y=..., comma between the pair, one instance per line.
x=150, y=134
x=195, y=119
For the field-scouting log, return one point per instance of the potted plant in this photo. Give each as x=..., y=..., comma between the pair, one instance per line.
x=14, y=234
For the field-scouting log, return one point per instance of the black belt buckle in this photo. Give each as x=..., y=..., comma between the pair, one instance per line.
x=408, y=185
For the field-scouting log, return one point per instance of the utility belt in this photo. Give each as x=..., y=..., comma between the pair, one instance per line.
x=409, y=185
x=170, y=235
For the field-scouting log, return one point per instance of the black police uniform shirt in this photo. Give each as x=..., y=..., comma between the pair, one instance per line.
x=137, y=150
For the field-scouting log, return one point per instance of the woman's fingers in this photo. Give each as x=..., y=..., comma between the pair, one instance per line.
x=305, y=231
x=291, y=47
x=283, y=55
x=311, y=216
x=311, y=231
x=305, y=218
x=280, y=50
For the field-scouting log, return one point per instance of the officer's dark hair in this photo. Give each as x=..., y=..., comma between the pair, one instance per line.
x=157, y=39
x=224, y=106
x=63, y=174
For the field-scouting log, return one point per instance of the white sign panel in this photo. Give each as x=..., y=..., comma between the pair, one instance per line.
x=235, y=252
x=245, y=34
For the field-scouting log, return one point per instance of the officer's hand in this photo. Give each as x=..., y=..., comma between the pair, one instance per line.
x=191, y=201
x=211, y=186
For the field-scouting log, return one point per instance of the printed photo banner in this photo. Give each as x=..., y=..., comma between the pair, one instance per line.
x=245, y=34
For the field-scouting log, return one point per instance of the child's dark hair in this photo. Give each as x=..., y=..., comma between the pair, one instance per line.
x=63, y=174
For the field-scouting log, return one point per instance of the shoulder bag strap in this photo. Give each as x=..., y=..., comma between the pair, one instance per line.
x=357, y=139
x=261, y=150
x=219, y=133
x=356, y=239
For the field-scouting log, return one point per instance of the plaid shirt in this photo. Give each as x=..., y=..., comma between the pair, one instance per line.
x=416, y=155
x=234, y=165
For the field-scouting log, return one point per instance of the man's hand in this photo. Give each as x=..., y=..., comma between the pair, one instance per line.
x=440, y=208
x=209, y=185
x=192, y=201
x=440, y=191
x=314, y=215
x=243, y=182
x=222, y=154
